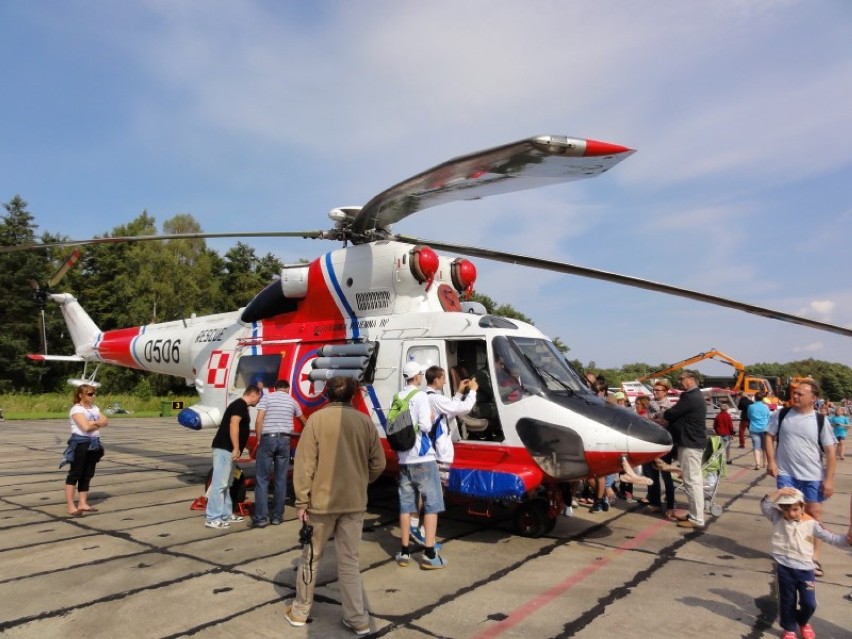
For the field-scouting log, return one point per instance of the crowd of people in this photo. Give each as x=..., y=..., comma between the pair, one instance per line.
x=798, y=446
x=801, y=458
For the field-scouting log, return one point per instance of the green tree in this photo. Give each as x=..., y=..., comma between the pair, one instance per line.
x=246, y=275
x=19, y=312
x=559, y=344
x=139, y=283
x=503, y=310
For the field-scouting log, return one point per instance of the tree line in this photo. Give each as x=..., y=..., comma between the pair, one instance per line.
x=120, y=285
x=132, y=284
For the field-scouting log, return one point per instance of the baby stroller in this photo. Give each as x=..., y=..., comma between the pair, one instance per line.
x=714, y=466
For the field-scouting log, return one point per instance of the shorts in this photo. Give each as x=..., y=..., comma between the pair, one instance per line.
x=811, y=489
x=422, y=479
x=756, y=440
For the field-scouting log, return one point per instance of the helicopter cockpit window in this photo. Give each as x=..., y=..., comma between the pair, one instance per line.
x=546, y=364
x=257, y=368
x=513, y=379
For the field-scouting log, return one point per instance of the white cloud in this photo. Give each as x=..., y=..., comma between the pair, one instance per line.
x=821, y=308
x=813, y=347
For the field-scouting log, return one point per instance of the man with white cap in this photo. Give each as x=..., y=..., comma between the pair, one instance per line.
x=418, y=474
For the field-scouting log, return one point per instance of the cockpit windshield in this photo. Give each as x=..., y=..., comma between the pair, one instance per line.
x=542, y=363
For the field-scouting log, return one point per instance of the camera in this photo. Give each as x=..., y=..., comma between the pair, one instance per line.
x=305, y=533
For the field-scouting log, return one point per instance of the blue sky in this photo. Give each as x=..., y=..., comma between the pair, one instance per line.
x=266, y=115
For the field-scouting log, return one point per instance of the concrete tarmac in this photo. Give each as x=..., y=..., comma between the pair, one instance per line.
x=145, y=566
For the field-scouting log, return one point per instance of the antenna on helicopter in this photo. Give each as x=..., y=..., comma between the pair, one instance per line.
x=40, y=297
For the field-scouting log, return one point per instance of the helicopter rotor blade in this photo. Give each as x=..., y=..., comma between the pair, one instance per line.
x=63, y=270
x=171, y=236
x=526, y=164
x=627, y=280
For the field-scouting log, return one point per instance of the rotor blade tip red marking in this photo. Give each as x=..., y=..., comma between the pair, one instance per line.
x=595, y=148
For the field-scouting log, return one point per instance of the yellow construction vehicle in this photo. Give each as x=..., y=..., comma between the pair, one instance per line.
x=748, y=384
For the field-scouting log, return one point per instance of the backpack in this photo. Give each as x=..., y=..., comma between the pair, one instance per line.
x=400, y=429
x=433, y=434
x=820, y=424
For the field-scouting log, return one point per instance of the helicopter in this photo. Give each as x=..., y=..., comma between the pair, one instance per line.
x=381, y=300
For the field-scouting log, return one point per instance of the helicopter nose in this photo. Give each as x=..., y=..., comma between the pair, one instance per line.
x=624, y=433
x=646, y=440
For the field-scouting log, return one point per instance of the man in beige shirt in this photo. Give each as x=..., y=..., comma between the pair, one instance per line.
x=339, y=453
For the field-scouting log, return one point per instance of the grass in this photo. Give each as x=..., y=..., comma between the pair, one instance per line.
x=55, y=405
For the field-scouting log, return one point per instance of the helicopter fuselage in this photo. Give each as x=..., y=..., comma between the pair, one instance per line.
x=364, y=311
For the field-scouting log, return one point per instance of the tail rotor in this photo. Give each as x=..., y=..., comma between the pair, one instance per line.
x=40, y=294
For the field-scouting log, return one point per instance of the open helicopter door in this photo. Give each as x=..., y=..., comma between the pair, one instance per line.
x=458, y=358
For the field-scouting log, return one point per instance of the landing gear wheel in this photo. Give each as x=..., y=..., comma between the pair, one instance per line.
x=531, y=519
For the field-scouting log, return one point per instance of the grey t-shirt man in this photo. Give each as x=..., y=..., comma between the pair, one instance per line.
x=797, y=454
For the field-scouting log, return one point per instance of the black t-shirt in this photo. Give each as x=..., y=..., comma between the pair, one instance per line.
x=742, y=406
x=223, y=435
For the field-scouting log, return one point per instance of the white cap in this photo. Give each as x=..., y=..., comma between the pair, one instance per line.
x=411, y=370
x=795, y=498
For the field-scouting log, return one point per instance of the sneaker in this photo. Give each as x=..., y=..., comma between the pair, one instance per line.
x=436, y=563
x=418, y=535
x=597, y=507
x=690, y=524
x=807, y=632
x=605, y=504
x=276, y=522
x=217, y=523
x=788, y=634
x=233, y=519
x=295, y=620
x=258, y=524
x=358, y=630
x=402, y=558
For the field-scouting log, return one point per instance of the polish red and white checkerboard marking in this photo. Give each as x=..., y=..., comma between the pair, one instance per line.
x=217, y=369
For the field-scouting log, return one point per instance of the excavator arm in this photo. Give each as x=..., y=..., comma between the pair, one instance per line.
x=711, y=354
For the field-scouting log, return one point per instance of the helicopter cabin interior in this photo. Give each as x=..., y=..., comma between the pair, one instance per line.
x=462, y=359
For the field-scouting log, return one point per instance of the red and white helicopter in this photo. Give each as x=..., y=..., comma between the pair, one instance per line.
x=381, y=300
